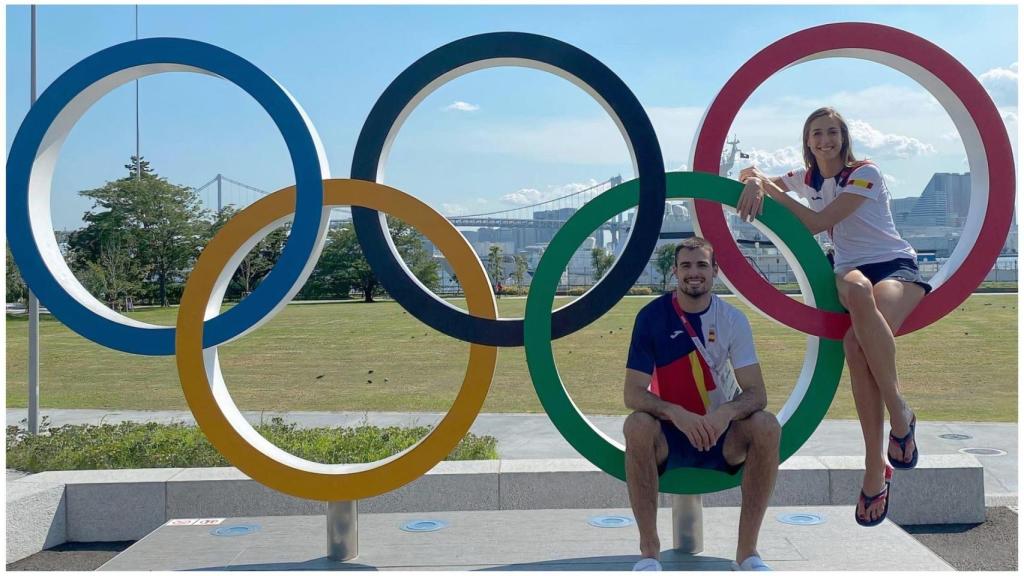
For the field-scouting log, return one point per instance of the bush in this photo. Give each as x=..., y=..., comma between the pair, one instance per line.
x=576, y=291
x=515, y=290
x=152, y=445
x=640, y=291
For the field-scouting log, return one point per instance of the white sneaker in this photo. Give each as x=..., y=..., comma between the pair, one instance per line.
x=752, y=564
x=647, y=565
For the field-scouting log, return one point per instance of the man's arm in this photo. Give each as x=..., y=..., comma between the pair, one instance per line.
x=639, y=399
x=753, y=396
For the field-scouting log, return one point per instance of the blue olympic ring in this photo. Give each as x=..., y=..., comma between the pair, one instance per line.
x=37, y=145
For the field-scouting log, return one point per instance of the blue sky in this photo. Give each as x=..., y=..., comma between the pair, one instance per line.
x=522, y=135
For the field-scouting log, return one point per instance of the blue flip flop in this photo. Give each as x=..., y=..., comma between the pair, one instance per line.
x=869, y=500
x=902, y=443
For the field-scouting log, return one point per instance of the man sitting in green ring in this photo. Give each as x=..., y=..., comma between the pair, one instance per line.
x=694, y=383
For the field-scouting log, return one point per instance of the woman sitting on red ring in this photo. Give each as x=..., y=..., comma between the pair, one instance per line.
x=877, y=278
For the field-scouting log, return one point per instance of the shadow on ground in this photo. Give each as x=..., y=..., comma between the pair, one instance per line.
x=72, y=556
x=991, y=545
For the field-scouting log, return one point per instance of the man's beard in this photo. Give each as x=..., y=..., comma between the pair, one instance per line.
x=695, y=291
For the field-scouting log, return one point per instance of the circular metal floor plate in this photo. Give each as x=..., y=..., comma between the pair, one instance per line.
x=982, y=451
x=801, y=519
x=424, y=525
x=955, y=436
x=235, y=530
x=610, y=521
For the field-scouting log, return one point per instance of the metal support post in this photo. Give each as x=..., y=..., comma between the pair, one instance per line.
x=688, y=523
x=33, y=302
x=33, y=363
x=342, y=530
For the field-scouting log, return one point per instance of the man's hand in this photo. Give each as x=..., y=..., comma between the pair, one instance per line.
x=697, y=429
x=719, y=420
x=751, y=199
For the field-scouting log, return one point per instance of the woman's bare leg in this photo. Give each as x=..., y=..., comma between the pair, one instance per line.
x=874, y=310
x=871, y=413
x=896, y=300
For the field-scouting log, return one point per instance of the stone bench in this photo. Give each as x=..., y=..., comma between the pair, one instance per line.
x=47, y=509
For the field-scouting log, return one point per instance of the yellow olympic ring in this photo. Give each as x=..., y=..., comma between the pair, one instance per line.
x=218, y=416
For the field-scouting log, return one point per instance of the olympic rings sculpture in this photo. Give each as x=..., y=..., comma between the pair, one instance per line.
x=201, y=328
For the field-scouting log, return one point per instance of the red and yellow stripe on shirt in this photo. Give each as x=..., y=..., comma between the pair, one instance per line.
x=685, y=382
x=866, y=184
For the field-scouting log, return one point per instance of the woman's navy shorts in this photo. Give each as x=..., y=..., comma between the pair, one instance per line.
x=903, y=269
x=682, y=454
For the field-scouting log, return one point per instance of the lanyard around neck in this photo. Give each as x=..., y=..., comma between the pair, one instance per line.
x=699, y=349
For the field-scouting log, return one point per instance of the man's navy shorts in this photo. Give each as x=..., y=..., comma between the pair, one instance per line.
x=682, y=454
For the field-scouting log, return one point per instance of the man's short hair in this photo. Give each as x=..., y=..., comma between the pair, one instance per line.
x=695, y=243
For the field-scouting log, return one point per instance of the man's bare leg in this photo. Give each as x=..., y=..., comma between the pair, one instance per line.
x=757, y=439
x=646, y=449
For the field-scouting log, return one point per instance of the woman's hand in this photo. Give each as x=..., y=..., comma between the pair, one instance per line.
x=751, y=202
x=752, y=172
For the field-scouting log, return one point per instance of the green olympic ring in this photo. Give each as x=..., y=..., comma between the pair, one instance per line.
x=823, y=362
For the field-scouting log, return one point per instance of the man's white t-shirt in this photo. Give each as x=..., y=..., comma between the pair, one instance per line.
x=729, y=342
x=869, y=234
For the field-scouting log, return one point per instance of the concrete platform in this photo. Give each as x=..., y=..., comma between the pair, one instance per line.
x=526, y=540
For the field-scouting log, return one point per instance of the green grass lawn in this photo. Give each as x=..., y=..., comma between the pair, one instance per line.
x=320, y=357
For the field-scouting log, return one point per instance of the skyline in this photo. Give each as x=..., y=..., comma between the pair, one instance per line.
x=496, y=138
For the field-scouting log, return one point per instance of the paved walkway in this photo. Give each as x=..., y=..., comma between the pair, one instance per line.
x=522, y=436
x=526, y=540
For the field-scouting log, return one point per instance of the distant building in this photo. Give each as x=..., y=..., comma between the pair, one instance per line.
x=944, y=202
x=902, y=208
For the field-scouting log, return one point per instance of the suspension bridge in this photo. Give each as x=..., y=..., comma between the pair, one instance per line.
x=221, y=191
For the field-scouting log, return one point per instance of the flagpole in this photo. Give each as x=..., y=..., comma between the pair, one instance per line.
x=138, y=158
x=33, y=302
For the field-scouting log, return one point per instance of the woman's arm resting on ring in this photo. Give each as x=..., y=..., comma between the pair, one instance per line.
x=837, y=210
x=755, y=172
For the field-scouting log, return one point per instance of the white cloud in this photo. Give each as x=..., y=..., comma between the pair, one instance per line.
x=1008, y=116
x=1001, y=84
x=525, y=196
x=773, y=162
x=891, y=180
x=453, y=209
x=881, y=144
x=461, y=106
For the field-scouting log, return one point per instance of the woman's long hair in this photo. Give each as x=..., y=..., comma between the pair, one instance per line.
x=845, y=151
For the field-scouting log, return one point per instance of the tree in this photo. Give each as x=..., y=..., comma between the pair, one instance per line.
x=664, y=261
x=601, y=260
x=259, y=261
x=104, y=256
x=16, y=288
x=520, y=271
x=343, y=266
x=165, y=223
x=494, y=263
x=116, y=272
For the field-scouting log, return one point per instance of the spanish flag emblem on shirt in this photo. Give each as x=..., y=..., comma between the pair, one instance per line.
x=866, y=184
x=686, y=382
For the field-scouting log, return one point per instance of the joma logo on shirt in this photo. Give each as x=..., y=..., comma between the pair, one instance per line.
x=674, y=334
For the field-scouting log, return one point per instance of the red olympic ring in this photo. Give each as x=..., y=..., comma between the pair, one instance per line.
x=912, y=55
